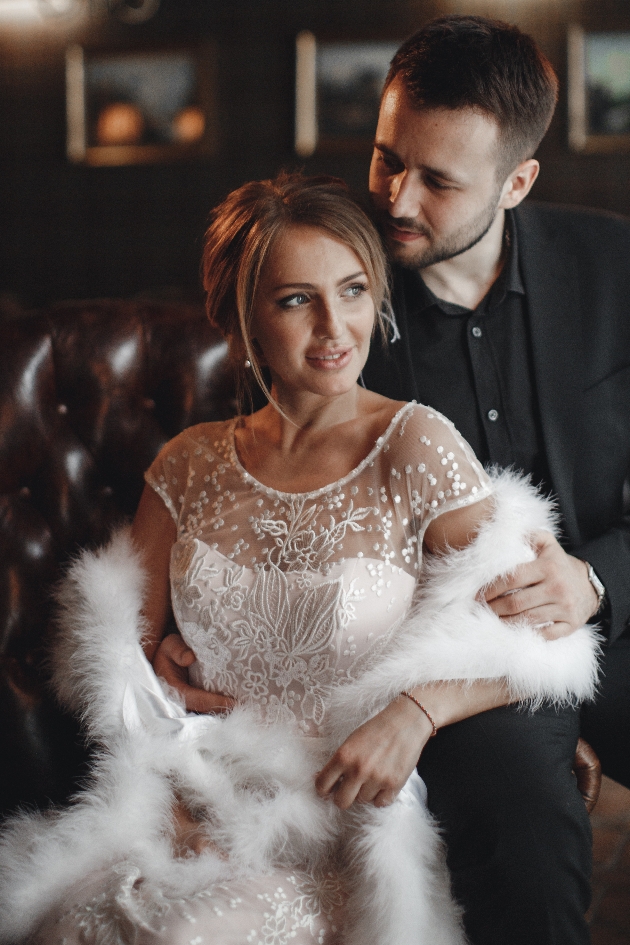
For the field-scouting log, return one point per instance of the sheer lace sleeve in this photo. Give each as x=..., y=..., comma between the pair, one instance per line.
x=169, y=473
x=433, y=470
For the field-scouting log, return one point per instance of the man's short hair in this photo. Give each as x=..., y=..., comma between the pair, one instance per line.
x=473, y=62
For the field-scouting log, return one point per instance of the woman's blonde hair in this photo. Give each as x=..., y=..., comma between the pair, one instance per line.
x=242, y=232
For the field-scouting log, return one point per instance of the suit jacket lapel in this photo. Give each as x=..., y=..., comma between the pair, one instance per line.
x=551, y=284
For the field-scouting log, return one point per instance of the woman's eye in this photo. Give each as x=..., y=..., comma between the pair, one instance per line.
x=292, y=301
x=356, y=290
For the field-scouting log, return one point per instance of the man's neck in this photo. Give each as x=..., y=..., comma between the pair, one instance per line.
x=466, y=279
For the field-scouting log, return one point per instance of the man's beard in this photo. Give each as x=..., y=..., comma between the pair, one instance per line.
x=457, y=243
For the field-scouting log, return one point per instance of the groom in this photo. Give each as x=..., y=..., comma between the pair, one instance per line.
x=514, y=321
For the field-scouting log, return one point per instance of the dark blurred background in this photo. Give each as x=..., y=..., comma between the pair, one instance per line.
x=70, y=231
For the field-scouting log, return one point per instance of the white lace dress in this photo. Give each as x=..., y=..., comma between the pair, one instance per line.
x=282, y=598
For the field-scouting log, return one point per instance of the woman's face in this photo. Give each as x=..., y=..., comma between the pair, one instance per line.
x=313, y=314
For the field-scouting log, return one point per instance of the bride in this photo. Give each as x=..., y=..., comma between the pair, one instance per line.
x=322, y=558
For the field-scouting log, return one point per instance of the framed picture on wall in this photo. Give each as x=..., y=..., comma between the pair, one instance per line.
x=599, y=90
x=337, y=93
x=138, y=107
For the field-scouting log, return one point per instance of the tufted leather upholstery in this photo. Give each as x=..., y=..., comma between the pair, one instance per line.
x=89, y=392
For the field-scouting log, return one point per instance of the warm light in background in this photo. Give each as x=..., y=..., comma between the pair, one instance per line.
x=132, y=12
x=20, y=11
x=119, y=123
x=189, y=124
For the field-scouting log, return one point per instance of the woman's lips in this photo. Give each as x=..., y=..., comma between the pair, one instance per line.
x=330, y=360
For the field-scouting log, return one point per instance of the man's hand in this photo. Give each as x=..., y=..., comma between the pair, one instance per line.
x=553, y=592
x=171, y=662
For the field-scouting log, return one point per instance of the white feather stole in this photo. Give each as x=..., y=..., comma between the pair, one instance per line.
x=254, y=783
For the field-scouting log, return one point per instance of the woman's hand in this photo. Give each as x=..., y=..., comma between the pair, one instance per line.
x=171, y=662
x=374, y=763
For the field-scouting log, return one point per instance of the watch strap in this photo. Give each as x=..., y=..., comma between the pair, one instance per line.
x=597, y=586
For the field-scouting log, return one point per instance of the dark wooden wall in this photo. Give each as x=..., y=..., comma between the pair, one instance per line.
x=71, y=231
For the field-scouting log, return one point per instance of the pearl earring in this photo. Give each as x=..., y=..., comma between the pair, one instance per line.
x=248, y=363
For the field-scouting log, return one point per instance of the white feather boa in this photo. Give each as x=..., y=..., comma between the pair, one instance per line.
x=256, y=782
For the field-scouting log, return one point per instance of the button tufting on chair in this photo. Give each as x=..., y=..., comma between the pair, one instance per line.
x=89, y=392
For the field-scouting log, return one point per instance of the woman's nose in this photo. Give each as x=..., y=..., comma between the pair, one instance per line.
x=330, y=321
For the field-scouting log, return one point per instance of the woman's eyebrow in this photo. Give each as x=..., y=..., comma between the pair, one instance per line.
x=311, y=286
x=355, y=275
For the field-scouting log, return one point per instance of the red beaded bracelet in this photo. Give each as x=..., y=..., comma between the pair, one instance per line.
x=422, y=708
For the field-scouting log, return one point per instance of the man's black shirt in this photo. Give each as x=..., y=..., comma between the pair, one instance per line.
x=476, y=366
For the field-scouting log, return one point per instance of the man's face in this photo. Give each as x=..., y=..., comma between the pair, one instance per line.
x=433, y=179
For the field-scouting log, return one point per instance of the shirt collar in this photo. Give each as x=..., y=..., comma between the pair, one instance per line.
x=509, y=280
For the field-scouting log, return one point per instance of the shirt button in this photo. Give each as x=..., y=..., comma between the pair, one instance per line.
x=493, y=415
x=477, y=332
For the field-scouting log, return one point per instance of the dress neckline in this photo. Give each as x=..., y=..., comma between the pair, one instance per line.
x=337, y=484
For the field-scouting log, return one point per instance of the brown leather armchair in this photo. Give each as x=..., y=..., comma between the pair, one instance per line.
x=89, y=393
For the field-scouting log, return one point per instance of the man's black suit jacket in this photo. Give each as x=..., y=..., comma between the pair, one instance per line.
x=575, y=266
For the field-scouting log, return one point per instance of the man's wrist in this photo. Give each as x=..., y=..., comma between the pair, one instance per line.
x=597, y=586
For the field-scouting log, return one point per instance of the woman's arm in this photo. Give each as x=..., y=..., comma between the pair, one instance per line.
x=373, y=764
x=153, y=533
x=457, y=528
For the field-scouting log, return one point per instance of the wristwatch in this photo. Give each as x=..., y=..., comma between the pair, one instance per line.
x=597, y=586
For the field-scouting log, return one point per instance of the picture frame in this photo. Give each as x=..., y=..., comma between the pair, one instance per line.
x=140, y=106
x=598, y=91
x=338, y=87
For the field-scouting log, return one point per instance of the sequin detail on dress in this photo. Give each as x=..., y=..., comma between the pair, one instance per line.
x=282, y=597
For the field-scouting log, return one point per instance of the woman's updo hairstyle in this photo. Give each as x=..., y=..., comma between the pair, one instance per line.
x=242, y=232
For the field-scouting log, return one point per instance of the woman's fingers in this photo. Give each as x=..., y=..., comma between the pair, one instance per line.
x=385, y=798
x=350, y=790
x=336, y=781
x=345, y=786
x=329, y=777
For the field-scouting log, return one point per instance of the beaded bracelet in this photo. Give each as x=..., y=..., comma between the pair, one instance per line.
x=422, y=708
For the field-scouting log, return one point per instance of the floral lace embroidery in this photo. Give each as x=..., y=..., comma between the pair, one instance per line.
x=120, y=910
x=271, y=644
x=298, y=546
x=126, y=905
x=314, y=897
x=284, y=595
